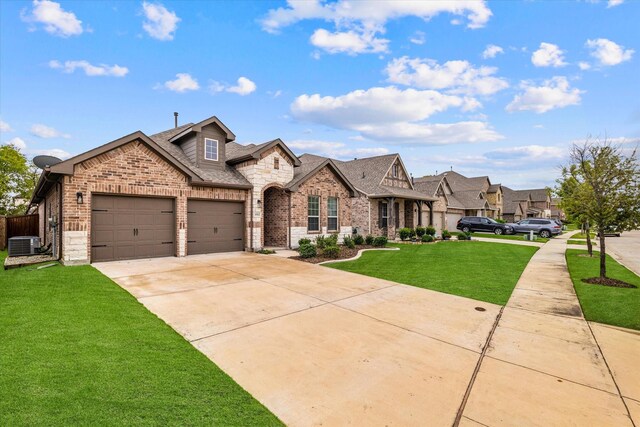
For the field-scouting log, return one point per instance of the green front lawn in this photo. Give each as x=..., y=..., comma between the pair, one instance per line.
x=507, y=237
x=76, y=349
x=580, y=242
x=604, y=304
x=583, y=235
x=479, y=270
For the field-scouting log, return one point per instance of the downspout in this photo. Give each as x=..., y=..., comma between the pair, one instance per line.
x=251, y=221
x=289, y=219
x=369, y=200
x=60, y=219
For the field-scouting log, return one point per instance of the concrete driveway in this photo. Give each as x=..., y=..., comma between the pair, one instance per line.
x=317, y=345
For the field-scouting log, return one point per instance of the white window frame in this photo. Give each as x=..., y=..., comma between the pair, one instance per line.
x=333, y=216
x=313, y=216
x=206, y=140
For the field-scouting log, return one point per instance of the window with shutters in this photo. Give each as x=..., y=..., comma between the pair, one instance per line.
x=332, y=214
x=313, y=213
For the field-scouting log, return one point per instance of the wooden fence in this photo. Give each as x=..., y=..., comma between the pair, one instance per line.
x=21, y=225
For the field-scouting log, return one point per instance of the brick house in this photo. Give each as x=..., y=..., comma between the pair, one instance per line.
x=188, y=190
x=533, y=203
x=386, y=199
x=464, y=196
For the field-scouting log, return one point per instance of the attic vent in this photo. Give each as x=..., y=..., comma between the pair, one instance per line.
x=362, y=175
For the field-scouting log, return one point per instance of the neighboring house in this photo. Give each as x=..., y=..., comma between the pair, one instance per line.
x=386, y=199
x=447, y=209
x=556, y=211
x=465, y=196
x=184, y=191
x=519, y=204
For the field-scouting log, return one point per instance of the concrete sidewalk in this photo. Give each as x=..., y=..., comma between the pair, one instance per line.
x=543, y=365
x=508, y=241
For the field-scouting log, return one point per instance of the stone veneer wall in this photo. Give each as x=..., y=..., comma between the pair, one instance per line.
x=262, y=175
x=324, y=184
x=492, y=198
x=132, y=169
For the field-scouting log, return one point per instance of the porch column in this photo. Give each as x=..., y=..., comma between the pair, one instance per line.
x=430, y=204
x=419, y=204
x=391, y=220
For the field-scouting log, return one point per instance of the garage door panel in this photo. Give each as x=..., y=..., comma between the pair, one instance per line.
x=114, y=219
x=214, y=226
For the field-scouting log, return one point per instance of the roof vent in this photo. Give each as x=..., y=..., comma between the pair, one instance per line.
x=175, y=118
x=362, y=174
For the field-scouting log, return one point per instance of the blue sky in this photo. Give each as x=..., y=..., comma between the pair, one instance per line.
x=488, y=88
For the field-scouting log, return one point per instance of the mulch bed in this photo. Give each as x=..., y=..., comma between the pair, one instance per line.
x=345, y=253
x=608, y=282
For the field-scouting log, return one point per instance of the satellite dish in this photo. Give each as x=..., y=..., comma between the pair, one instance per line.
x=44, y=162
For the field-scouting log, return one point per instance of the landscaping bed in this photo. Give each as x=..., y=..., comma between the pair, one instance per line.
x=505, y=237
x=345, y=253
x=612, y=305
x=479, y=270
x=79, y=350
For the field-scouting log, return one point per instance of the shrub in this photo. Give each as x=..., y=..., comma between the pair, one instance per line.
x=358, y=239
x=321, y=242
x=380, y=241
x=348, y=242
x=420, y=231
x=428, y=238
x=304, y=241
x=412, y=233
x=332, y=239
x=405, y=233
x=369, y=240
x=501, y=221
x=331, y=251
x=266, y=252
x=307, y=250
x=431, y=231
x=446, y=233
x=464, y=236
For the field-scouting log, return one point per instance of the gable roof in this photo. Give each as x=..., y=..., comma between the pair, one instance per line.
x=187, y=129
x=539, y=194
x=367, y=175
x=493, y=188
x=428, y=184
x=459, y=182
x=237, y=153
x=309, y=166
x=226, y=176
x=472, y=199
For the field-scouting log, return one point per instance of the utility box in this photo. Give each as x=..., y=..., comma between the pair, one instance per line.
x=24, y=245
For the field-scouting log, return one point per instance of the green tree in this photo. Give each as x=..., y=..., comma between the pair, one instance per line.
x=608, y=189
x=17, y=180
x=573, y=195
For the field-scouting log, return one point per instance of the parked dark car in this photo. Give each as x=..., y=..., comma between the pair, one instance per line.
x=483, y=223
x=542, y=227
x=612, y=231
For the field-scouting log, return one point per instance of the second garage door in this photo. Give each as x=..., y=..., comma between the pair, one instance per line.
x=131, y=227
x=214, y=226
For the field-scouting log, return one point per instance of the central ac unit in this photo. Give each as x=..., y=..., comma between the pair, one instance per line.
x=24, y=245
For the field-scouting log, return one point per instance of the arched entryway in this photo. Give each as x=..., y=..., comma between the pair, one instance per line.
x=275, y=217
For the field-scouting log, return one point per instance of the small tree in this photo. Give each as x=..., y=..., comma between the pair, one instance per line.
x=608, y=190
x=574, y=195
x=17, y=180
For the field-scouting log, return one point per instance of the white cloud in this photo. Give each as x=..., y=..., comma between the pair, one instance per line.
x=22, y=146
x=243, y=87
x=335, y=150
x=608, y=53
x=183, y=83
x=358, y=23
x=18, y=143
x=55, y=20
x=584, y=65
x=274, y=93
x=491, y=51
x=455, y=76
x=548, y=55
x=418, y=38
x=614, y=3
x=388, y=113
x=161, y=24
x=351, y=42
x=89, y=69
x=527, y=152
x=43, y=131
x=4, y=126
x=554, y=93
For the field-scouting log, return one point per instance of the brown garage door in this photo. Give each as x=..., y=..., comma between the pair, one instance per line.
x=214, y=226
x=131, y=227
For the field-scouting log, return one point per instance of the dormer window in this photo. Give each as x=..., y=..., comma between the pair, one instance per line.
x=211, y=149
